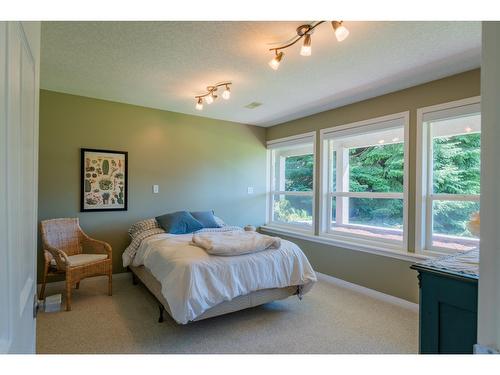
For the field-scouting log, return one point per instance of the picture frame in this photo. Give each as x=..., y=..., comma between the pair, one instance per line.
x=103, y=180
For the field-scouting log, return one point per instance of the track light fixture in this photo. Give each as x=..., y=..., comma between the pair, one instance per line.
x=275, y=62
x=340, y=30
x=306, y=47
x=305, y=31
x=210, y=98
x=211, y=94
x=199, y=104
x=226, y=94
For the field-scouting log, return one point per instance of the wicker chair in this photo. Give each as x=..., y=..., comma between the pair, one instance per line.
x=68, y=250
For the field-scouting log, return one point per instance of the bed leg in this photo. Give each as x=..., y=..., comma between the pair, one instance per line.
x=135, y=280
x=300, y=291
x=160, y=319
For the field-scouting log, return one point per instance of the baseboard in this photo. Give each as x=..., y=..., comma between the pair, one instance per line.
x=327, y=278
x=368, y=292
x=120, y=275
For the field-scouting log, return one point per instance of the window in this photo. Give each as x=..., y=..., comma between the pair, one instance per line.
x=364, y=180
x=448, y=197
x=291, y=198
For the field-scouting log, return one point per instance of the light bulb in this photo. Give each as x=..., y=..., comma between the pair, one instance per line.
x=209, y=99
x=340, y=30
x=381, y=142
x=199, y=104
x=395, y=139
x=306, y=47
x=275, y=62
x=468, y=129
x=226, y=94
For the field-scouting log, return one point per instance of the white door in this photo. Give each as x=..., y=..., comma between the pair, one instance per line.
x=19, y=91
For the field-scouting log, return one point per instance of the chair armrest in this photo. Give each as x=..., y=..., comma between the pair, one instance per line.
x=96, y=245
x=47, y=256
x=60, y=256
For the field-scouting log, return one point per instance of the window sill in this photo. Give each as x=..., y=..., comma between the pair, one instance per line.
x=300, y=230
x=402, y=255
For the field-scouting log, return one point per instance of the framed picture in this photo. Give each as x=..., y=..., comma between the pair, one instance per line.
x=104, y=180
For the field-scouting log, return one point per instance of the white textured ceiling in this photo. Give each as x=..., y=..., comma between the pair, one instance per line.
x=164, y=64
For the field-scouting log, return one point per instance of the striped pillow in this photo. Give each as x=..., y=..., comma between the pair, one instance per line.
x=131, y=250
x=142, y=226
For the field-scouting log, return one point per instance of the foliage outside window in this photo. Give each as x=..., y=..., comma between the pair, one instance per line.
x=377, y=169
x=365, y=173
x=454, y=172
x=292, y=185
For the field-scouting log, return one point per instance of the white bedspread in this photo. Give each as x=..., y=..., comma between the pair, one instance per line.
x=193, y=281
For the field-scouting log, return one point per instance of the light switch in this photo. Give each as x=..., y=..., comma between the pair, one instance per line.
x=250, y=190
x=156, y=189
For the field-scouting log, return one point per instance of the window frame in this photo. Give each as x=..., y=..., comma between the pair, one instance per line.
x=355, y=128
x=309, y=137
x=425, y=197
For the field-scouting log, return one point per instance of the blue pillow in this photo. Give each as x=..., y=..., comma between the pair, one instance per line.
x=206, y=218
x=180, y=222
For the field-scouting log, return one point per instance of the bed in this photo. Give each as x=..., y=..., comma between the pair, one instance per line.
x=191, y=285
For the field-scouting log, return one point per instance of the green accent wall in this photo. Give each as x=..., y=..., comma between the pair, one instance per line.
x=198, y=163
x=388, y=275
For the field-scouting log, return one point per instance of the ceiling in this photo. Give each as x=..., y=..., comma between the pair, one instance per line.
x=165, y=64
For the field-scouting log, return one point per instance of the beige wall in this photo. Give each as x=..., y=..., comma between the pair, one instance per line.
x=377, y=272
x=199, y=163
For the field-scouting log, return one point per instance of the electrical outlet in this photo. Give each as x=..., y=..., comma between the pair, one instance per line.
x=156, y=189
x=250, y=190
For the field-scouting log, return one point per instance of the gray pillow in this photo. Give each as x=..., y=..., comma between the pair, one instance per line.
x=206, y=218
x=220, y=222
x=180, y=222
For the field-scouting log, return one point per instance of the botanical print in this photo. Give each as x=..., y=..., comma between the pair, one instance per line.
x=104, y=182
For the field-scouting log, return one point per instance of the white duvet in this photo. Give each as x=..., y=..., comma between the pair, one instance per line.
x=193, y=281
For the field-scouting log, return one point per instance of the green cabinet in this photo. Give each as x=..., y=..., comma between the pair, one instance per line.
x=448, y=311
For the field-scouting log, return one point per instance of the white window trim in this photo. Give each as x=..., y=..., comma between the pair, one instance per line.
x=423, y=200
x=283, y=142
x=352, y=241
x=348, y=244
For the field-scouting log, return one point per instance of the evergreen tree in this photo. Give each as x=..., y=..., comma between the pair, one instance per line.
x=456, y=162
x=299, y=173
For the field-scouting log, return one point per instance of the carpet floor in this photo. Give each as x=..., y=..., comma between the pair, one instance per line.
x=330, y=319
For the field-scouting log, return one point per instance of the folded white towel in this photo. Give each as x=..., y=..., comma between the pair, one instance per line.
x=235, y=243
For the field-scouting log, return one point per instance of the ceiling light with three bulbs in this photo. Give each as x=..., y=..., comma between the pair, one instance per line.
x=305, y=32
x=211, y=95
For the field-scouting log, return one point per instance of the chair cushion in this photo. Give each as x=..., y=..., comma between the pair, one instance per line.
x=81, y=259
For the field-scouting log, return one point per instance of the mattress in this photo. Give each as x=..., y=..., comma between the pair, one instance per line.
x=253, y=299
x=193, y=282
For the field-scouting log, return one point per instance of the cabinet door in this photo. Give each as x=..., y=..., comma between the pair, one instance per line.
x=448, y=315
